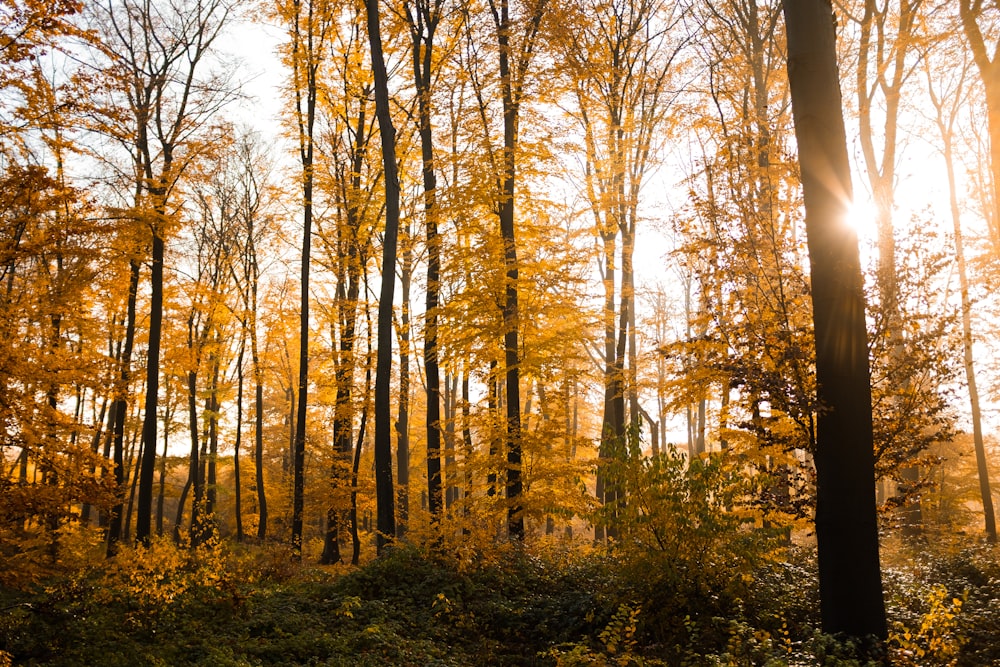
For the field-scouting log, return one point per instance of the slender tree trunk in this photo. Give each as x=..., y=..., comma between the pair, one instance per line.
x=306, y=65
x=985, y=492
x=850, y=580
x=161, y=492
x=119, y=410
x=422, y=27
x=356, y=464
x=195, y=463
x=889, y=81
x=403, y=416
x=258, y=429
x=211, y=487
x=467, y=443
x=237, y=482
x=384, y=491
x=95, y=445
x=147, y=465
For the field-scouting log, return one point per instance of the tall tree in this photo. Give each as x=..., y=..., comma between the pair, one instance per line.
x=423, y=18
x=309, y=24
x=947, y=98
x=887, y=39
x=515, y=34
x=350, y=175
x=254, y=196
x=850, y=579
x=384, y=490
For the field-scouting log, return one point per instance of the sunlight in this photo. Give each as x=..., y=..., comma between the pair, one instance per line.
x=861, y=215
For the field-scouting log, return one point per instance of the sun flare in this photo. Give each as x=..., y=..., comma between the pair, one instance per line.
x=861, y=214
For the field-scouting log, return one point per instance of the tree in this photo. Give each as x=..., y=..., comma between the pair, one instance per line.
x=516, y=36
x=423, y=18
x=850, y=580
x=254, y=197
x=48, y=266
x=745, y=356
x=947, y=102
x=384, y=490
x=309, y=24
x=886, y=40
x=349, y=176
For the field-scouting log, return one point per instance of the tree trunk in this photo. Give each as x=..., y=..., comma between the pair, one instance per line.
x=237, y=482
x=851, y=600
x=119, y=410
x=422, y=27
x=147, y=465
x=384, y=491
x=167, y=415
x=945, y=128
x=403, y=415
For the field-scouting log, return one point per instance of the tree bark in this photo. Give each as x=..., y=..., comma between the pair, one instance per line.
x=384, y=491
x=119, y=409
x=851, y=600
x=423, y=24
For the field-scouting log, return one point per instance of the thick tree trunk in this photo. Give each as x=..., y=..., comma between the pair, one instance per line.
x=851, y=599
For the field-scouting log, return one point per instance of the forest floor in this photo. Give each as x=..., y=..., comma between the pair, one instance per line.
x=547, y=604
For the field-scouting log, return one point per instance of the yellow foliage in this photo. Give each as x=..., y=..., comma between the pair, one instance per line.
x=937, y=641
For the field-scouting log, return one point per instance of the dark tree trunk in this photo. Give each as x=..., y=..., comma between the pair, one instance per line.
x=850, y=580
x=384, y=491
x=258, y=452
x=303, y=56
x=422, y=27
x=511, y=86
x=147, y=466
x=162, y=491
x=403, y=415
x=211, y=489
x=237, y=483
x=120, y=409
x=356, y=464
x=195, y=463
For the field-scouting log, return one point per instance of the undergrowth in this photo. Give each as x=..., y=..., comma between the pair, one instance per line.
x=548, y=604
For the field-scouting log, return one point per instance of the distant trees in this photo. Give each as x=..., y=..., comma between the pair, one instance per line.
x=157, y=55
x=619, y=59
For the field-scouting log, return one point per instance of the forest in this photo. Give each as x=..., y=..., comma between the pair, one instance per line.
x=499, y=332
